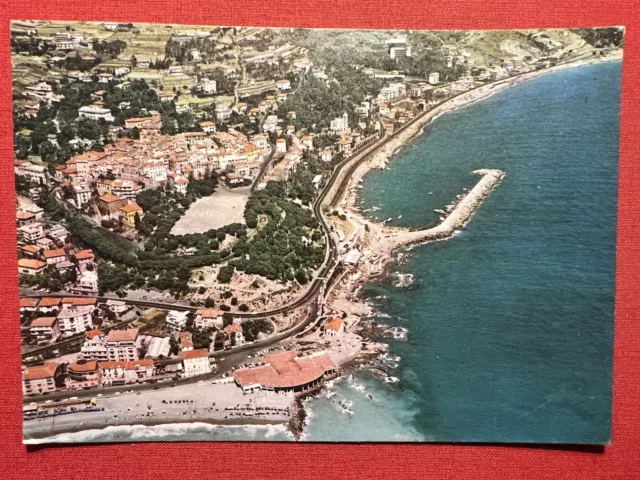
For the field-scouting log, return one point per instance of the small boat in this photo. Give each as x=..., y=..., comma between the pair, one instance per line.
x=399, y=217
x=437, y=210
x=430, y=193
x=441, y=219
x=389, y=219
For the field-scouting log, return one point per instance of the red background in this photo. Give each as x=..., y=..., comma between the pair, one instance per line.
x=263, y=460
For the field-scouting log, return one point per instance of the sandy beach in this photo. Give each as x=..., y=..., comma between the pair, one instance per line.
x=220, y=404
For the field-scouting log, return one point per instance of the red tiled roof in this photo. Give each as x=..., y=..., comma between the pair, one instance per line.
x=22, y=215
x=285, y=370
x=209, y=312
x=122, y=335
x=30, y=249
x=55, y=253
x=128, y=365
x=235, y=327
x=334, y=324
x=28, y=302
x=29, y=263
x=84, y=255
x=83, y=367
x=49, y=302
x=131, y=208
x=44, y=322
x=80, y=300
x=91, y=334
x=201, y=353
x=39, y=372
x=108, y=197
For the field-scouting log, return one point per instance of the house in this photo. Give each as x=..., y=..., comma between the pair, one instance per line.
x=393, y=92
x=340, y=125
x=30, y=250
x=95, y=345
x=49, y=305
x=95, y=112
x=196, y=362
x=84, y=257
x=208, y=317
x=83, y=374
x=122, y=345
x=334, y=327
x=177, y=320
x=128, y=213
x=28, y=304
x=208, y=126
x=117, y=306
x=122, y=373
x=29, y=266
x=45, y=329
x=55, y=256
x=283, y=84
x=281, y=145
x=326, y=154
x=234, y=333
x=208, y=86
x=74, y=319
x=434, y=78
x=307, y=141
x=39, y=379
x=111, y=203
x=185, y=340
x=31, y=233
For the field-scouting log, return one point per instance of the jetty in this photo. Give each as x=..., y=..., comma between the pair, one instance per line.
x=396, y=237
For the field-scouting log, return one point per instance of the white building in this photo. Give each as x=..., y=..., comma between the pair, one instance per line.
x=196, y=362
x=394, y=91
x=75, y=319
x=177, y=320
x=209, y=86
x=434, y=78
x=45, y=329
x=121, y=345
x=340, y=125
x=208, y=317
x=95, y=112
x=95, y=346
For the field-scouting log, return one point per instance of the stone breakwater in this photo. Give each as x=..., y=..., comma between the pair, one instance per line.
x=458, y=217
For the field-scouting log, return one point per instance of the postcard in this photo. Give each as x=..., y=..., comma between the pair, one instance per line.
x=234, y=233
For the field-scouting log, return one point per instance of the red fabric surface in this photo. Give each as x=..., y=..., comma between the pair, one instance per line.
x=344, y=461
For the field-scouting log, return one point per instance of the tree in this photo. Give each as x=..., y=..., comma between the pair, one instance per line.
x=225, y=273
x=209, y=302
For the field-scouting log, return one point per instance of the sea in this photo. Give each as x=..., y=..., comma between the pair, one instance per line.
x=508, y=325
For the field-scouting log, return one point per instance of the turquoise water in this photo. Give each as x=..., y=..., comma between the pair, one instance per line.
x=510, y=323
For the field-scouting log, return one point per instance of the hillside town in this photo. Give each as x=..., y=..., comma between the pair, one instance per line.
x=179, y=199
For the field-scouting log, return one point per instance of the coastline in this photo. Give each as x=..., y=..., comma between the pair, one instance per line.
x=381, y=242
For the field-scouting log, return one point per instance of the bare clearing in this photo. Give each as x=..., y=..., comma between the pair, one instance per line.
x=222, y=208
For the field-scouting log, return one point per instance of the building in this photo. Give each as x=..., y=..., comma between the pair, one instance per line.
x=39, y=379
x=95, y=112
x=340, y=125
x=83, y=374
x=28, y=304
x=44, y=329
x=29, y=266
x=434, y=78
x=121, y=345
x=111, y=204
x=84, y=257
x=49, y=305
x=286, y=371
x=281, y=145
x=122, y=373
x=208, y=86
x=177, y=320
x=32, y=232
x=208, y=317
x=334, y=327
x=234, y=333
x=196, y=362
x=394, y=91
x=95, y=346
x=32, y=172
x=128, y=213
x=53, y=257
x=74, y=319
x=185, y=341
